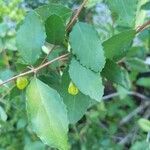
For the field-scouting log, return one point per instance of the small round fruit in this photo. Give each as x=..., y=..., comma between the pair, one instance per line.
x=21, y=83
x=72, y=89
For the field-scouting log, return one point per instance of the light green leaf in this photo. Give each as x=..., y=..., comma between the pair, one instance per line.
x=76, y=104
x=86, y=45
x=145, y=82
x=87, y=81
x=117, y=46
x=116, y=74
x=10, y=44
x=57, y=9
x=125, y=11
x=30, y=38
x=140, y=145
x=55, y=29
x=144, y=124
x=47, y=114
x=123, y=92
x=3, y=115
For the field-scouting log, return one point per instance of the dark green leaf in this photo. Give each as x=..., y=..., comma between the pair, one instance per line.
x=116, y=74
x=146, y=6
x=117, y=46
x=55, y=30
x=137, y=64
x=136, y=52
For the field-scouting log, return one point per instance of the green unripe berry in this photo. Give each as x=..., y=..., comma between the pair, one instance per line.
x=72, y=89
x=21, y=83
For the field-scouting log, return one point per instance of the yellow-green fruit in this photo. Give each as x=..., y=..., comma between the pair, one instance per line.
x=72, y=89
x=21, y=83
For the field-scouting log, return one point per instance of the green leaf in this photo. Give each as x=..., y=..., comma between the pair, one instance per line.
x=47, y=114
x=5, y=74
x=116, y=74
x=1, y=45
x=92, y=3
x=3, y=29
x=125, y=11
x=57, y=9
x=3, y=115
x=144, y=124
x=55, y=29
x=145, y=82
x=76, y=105
x=87, y=46
x=139, y=52
x=136, y=64
x=140, y=145
x=56, y=53
x=123, y=92
x=117, y=46
x=30, y=38
x=87, y=81
x=146, y=6
x=37, y=145
x=10, y=44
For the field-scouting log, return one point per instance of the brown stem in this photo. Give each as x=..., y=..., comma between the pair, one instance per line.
x=34, y=70
x=73, y=20
x=143, y=27
x=44, y=60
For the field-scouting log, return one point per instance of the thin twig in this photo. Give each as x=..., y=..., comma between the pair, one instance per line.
x=143, y=27
x=73, y=20
x=134, y=112
x=132, y=135
x=139, y=109
x=44, y=60
x=129, y=136
x=139, y=95
x=34, y=70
